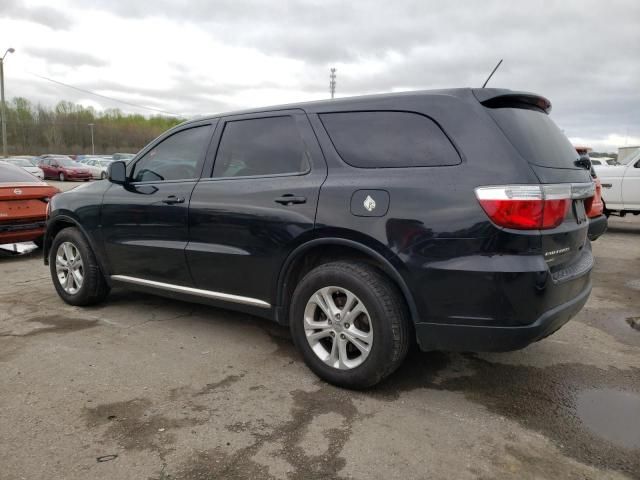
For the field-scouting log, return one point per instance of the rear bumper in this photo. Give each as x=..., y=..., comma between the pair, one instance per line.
x=25, y=232
x=472, y=338
x=597, y=226
x=496, y=302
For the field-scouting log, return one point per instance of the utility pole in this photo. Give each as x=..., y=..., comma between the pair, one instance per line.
x=332, y=82
x=93, y=147
x=3, y=111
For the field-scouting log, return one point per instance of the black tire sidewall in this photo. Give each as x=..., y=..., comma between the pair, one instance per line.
x=372, y=370
x=73, y=236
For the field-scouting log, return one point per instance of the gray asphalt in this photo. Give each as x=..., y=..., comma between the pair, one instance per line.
x=147, y=388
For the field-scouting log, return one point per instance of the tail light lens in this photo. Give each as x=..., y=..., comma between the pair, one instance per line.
x=526, y=207
x=594, y=206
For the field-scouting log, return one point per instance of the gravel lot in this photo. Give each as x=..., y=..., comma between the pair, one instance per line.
x=148, y=388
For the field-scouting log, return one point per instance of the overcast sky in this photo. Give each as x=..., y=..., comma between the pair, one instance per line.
x=207, y=56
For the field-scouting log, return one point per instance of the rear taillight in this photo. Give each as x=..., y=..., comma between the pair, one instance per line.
x=594, y=206
x=526, y=207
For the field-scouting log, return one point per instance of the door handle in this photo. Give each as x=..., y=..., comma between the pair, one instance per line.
x=172, y=199
x=290, y=199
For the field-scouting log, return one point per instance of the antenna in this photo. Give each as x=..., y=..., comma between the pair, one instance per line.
x=491, y=74
x=332, y=82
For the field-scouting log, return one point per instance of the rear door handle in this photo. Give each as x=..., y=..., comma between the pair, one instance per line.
x=290, y=199
x=172, y=199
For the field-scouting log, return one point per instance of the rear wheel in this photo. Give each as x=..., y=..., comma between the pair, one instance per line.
x=61, y=177
x=351, y=324
x=103, y=175
x=74, y=269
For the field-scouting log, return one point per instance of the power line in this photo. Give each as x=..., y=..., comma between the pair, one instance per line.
x=103, y=96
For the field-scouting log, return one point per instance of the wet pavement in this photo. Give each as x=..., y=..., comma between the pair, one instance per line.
x=149, y=388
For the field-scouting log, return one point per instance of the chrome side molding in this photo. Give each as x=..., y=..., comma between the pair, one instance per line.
x=227, y=297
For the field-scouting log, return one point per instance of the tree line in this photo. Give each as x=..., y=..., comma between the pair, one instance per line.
x=34, y=129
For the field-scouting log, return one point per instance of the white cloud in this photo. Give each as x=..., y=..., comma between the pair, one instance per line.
x=206, y=57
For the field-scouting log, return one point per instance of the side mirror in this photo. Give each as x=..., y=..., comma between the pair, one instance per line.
x=117, y=172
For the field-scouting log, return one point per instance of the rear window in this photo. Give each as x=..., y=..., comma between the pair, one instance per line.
x=389, y=139
x=13, y=174
x=536, y=137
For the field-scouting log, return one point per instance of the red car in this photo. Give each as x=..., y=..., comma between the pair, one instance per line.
x=594, y=206
x=23, y=205
x=61, y=167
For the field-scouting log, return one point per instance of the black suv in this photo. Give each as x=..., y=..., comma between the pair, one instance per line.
x=455, y=217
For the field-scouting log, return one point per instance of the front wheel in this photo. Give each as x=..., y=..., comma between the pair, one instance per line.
x=351, y=324
x=61, y=177
x=74, y=269
x=103, y=175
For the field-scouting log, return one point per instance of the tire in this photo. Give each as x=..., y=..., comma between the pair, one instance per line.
x=103, y=175
x=61, y=177
x=93, y=287
x=386, y=317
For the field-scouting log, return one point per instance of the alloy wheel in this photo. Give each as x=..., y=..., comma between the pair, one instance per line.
x=69, y=268
x=338, y=328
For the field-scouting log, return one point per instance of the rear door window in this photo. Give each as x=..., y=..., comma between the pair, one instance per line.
x=536, y=137
x=259, y=147
x=383, y=139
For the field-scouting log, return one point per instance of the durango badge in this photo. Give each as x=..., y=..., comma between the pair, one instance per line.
x=369, y=203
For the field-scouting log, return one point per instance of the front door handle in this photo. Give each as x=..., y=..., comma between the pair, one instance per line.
x=172, y=199
x=290, y=199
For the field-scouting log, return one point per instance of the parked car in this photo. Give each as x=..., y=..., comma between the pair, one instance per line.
x=594, y=206
x=98, y=167
x=26, y=165
x=621, y=187
x=23, y=202
x=33, y=160
x=62, y=168
x=125, y=157
x=455, y=217
x=86, y=158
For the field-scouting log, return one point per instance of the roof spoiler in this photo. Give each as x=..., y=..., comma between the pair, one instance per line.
x=503, y=98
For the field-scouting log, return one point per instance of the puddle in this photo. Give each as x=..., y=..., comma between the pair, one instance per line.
x=635, y=284
x=612, y=414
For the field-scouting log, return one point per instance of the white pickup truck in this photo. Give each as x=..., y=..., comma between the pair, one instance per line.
x=621, y=187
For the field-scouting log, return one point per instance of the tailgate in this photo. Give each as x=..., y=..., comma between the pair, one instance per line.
x=524, y=120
